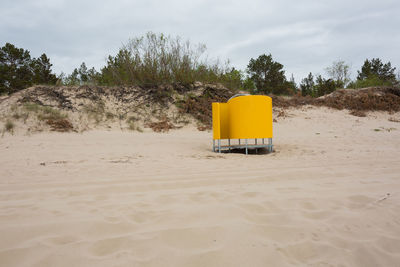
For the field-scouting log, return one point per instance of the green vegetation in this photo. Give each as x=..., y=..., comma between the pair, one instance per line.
x=44, y=113
x=52, y=117
x=375, y=68
x=369, y=82
x=18, y=70
x=319, y=87
x=32, y=107
x=269, y=77
x=156, y=60
x=375, y=73
x=81, y=76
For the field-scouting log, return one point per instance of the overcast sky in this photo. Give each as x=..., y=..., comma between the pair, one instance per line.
x=305, y=36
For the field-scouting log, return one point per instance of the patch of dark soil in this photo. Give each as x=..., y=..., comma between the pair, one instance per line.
x=161, y=126
x=393, y=120
x=60, y=125
x=202, y=128
x=358, y=113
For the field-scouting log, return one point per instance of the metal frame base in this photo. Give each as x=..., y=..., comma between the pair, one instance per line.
x=218, y=147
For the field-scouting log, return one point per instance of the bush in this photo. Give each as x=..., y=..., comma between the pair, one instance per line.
x=369, y=82
x=158, y=59
x=318, y=88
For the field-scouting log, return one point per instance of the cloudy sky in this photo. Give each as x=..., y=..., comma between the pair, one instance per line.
x=305, y=36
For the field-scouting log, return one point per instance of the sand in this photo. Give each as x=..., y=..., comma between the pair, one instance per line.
x=328, y=196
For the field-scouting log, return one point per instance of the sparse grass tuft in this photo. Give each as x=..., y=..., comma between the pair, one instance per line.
x=131, y=119
x=132, y=126
x=53, y=117
x=32, y=107
x=16, y=116
x=9, y=126
x=121, y=116
x=48, y=113
x=109, y=115
x=44, y=112
x=96, y=112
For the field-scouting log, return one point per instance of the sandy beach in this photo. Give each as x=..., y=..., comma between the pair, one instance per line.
x=328, y=196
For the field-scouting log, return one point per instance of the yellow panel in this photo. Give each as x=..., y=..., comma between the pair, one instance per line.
x=220, y=120
x=250, y=117
x=216, y=121
x=224, y=120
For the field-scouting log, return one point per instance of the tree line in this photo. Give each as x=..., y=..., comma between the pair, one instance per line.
x=154, y=59
x=18, y=70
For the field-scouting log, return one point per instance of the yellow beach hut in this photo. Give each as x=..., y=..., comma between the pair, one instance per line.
x=243, y=118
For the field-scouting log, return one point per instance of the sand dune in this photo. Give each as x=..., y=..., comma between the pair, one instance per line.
x=328, y=196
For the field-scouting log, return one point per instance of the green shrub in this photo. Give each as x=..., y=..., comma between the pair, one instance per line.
x=369, y=82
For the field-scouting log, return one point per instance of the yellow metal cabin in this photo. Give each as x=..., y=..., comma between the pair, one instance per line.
x=243, y=117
